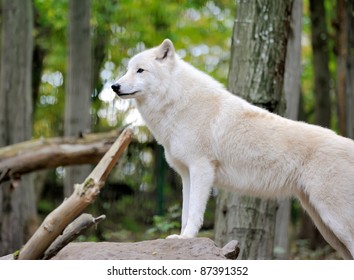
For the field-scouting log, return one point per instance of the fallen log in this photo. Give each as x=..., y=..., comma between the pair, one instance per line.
x=39, y=154
x=71, y=208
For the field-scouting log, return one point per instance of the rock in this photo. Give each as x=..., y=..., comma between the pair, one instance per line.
x=7, y=257
x=231, y=250
x=159, y=249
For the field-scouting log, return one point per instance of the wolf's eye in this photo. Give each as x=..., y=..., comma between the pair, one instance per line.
x=140, y=70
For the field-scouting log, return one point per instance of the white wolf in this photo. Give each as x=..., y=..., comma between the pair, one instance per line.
x=212, y=137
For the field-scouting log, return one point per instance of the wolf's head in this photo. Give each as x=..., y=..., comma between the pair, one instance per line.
x=147, y=71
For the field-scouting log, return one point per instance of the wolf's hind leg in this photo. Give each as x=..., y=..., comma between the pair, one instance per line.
x=325, y=230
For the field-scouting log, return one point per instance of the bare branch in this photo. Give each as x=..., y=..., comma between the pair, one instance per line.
x=83, y=195
x=71, y=232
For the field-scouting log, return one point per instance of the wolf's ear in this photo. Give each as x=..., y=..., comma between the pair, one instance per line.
x=165, y=50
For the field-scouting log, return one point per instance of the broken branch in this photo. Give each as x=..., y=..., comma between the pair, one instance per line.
x=83, y=195
x=71, y=232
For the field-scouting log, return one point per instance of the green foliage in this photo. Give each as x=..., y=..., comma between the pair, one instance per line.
x=50, y=36
x=16, y=254
x=201, y=31
x=164, y=225
x=45, y=206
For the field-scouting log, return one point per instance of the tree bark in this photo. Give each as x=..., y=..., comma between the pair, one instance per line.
x=18, y=209
x=79, y=85
x=292, y=88
x=319, y=39
x=257, y=67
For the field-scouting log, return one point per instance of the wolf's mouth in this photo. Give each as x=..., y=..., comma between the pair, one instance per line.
x=128, y=93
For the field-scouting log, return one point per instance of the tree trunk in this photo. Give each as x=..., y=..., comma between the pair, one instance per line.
x=319, y=38
x=292, y=78
x=18, y=209
x=78, y=86
x=341, y=49
x=39, y=54
x=257, y=65
x=349, y=68
x=292, y=88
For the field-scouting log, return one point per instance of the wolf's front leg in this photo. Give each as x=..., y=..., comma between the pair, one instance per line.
x=185, y=202
x=201, y=181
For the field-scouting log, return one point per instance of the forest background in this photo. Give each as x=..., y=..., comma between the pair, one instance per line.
x=142, y=197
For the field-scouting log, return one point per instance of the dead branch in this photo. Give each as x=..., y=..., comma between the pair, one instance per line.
x=83, y=195
x=71, y=232
x=34, y=155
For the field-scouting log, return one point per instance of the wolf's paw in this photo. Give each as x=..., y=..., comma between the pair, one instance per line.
x=177, y=236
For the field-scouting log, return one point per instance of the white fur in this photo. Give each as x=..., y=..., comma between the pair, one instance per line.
x=212, y=137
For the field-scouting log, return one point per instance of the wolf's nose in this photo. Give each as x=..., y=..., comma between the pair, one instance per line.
x=116, y=88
